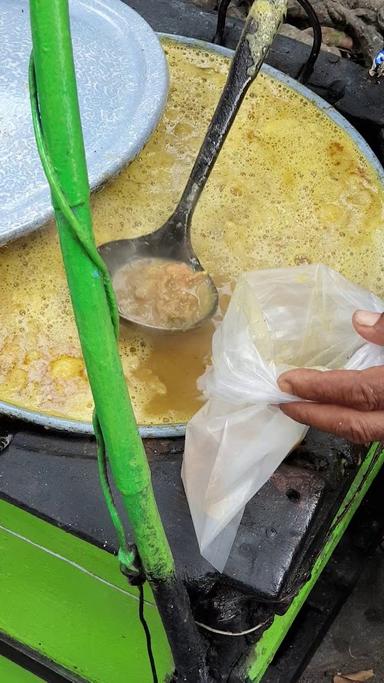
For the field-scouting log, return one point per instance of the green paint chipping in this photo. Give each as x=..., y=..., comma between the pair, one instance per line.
x=65, y=599
x=272, y=638
x=12, y=673
x=57, y=125
x=263, y=21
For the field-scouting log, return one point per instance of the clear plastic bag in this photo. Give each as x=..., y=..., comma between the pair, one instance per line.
x=277, y=320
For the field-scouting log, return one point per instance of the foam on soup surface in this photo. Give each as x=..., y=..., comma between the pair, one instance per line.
x=289, y=187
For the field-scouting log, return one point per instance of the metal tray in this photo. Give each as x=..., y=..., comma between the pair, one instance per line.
x=122, y=78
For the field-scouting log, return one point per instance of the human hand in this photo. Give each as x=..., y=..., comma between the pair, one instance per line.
x=348, y=403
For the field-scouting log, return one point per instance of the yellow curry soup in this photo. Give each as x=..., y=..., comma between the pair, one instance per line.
x=289, y=187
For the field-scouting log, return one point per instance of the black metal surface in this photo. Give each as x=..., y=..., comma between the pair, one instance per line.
x=35, y=662
x=28, y=664
x=272, y=550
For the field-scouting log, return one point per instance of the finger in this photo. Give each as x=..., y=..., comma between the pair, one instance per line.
x=360, y=389
x=370, y=326
x=347, y=423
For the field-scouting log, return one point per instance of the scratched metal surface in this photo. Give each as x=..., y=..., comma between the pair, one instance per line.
x=123, y=85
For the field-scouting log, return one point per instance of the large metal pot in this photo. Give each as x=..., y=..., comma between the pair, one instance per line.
x=175, y=430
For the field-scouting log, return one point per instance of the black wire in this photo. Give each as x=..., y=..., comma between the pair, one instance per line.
x=147, y=634
x=306, y=70
x=221, y=19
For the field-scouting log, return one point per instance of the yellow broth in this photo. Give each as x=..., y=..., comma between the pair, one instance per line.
x=289, y=187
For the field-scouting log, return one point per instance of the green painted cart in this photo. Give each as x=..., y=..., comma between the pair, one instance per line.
x=63, y=599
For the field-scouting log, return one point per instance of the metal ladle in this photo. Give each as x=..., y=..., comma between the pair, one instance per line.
x=173, y=240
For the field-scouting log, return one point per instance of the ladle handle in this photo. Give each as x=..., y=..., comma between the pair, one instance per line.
x=261, y=26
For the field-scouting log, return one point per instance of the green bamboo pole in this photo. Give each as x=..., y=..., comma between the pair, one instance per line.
x=63, y=142
x=61, y=124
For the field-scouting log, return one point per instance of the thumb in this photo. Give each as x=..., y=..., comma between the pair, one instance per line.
x=370, y=326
